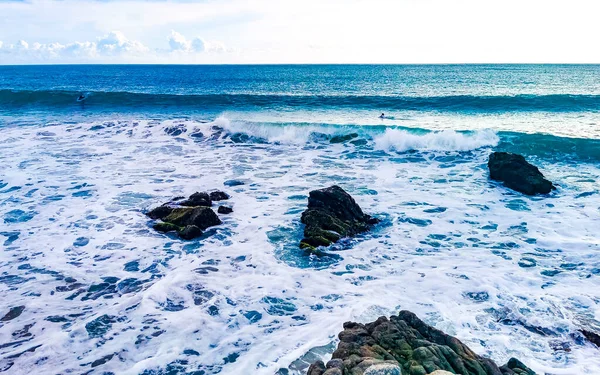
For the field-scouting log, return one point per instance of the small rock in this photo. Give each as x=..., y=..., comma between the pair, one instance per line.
x=218, y=196
x=159, y=212
x=13, y=313
x=190, y=232
x=517, y=174
x=441, y=372
x=331, y=214
x=224, y=210
x=197, y=199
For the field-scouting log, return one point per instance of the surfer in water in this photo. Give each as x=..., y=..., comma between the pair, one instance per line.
x=382, y=116
x=81, y=98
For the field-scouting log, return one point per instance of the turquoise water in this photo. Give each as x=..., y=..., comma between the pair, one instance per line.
x=104, y=293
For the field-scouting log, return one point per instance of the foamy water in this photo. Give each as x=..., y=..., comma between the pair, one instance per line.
x=507, y=274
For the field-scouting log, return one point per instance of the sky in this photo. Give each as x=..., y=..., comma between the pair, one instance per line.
x=299, y=31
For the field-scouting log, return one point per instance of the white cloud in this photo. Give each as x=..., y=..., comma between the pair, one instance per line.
x=112, y=47
x=179, y=42
x=311, y=31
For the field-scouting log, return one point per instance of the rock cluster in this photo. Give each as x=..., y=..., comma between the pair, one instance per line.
x=332, y=214
x=517, y=174
x=404, y=344
x=188, y=217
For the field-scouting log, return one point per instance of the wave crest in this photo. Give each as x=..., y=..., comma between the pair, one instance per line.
x=446, y=140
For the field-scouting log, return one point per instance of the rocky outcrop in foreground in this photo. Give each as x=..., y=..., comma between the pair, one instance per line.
x=405, y=345
x=188, y=217
x=332, y=214
x=517, y=174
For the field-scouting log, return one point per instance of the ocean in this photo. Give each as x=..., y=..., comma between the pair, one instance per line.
x=102, y=293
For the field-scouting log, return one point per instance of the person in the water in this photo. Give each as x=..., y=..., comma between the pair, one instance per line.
x=382, y=115
x=81, y=97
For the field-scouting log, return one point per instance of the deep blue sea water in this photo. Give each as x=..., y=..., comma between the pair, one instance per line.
x=103, y=293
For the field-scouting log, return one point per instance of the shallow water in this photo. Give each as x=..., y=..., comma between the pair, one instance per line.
x=509, y=275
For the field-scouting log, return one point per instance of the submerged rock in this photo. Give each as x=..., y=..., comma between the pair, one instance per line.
x=332, y=213
x=517, y=174
x=404, y=344
x=13, y=313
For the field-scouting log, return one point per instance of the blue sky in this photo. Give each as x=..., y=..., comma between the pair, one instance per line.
x=299, y=31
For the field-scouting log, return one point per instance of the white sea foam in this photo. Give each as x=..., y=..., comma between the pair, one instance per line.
x=449, y=250
x=446, y=140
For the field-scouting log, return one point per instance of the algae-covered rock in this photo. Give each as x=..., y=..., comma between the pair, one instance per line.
x=165, y=227
x=406, y=343
x=188, y=217
x=332, y=213
x=517, y=174
x=202, y=217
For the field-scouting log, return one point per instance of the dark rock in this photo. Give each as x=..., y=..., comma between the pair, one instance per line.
x=224, y=210
x=190, y=232
x=159, y=212
x=13, y=313
x=218, y=196
x=197, y=199
x=332, y=213
x=517, y=174
x=406, y=343
x=202, y=217
x=102, y=360
x=592, y=337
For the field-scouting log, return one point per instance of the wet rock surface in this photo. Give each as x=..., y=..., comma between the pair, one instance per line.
x=592, y=337
x=517, y=174
x=332, y=214
x=404, y=344
x=188, y=217
x=224, y=210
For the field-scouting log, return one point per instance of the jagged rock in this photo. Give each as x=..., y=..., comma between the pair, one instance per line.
x=332, y=213
x=517, y=174
x=218, y=196
x=197, y=199
x=202, y=217
x=592, y=337
x=414, y=347
x=189, y=232
x=224, y=210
